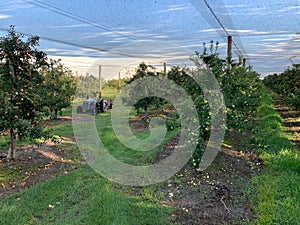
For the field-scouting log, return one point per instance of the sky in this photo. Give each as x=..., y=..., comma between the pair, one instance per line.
x=119, y=34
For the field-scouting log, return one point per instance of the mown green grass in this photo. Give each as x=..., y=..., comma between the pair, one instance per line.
x=84, y=197
x=62, y=130
x=119, y=150
x=65, y=130
x=4, y=143
x=109, y=92
x=80, y=197
x=277, y=189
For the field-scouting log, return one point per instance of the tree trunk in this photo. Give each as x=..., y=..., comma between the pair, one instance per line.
x=12, y=144
x=146, y=112
x=12, y=69
x=55, y=113
x=12, y=132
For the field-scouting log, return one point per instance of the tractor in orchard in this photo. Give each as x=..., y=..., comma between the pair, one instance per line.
x=94, y=106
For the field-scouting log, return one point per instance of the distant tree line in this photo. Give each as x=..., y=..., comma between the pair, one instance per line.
x=286, y=84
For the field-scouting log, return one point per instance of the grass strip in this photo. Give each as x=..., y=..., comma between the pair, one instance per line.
x=277, y=188
x=80, y=197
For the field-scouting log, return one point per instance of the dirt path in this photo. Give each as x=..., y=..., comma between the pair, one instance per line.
x=291, y=118
x=219, y=194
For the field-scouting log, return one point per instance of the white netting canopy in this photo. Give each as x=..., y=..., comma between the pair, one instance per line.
x=265, y=32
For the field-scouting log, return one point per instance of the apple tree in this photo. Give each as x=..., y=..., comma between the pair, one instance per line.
x=21, y=87
x=147, y=103
x=60, y=87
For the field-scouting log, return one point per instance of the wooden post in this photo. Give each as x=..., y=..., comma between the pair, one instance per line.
x=100, y=81
x=165, y=68
x=229, y=53
x=244, y=62
x=119, y=81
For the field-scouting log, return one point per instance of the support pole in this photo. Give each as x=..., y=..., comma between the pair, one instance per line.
x=244, y=62
x=100, y=81
x=165, y=68
x=229, y=53
x=119, y=82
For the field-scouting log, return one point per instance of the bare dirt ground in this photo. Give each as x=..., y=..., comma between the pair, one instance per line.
x=217, y=195
x=35, y=164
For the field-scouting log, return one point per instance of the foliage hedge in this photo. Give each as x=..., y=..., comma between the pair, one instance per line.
x=286, y=84
x=241, y=88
